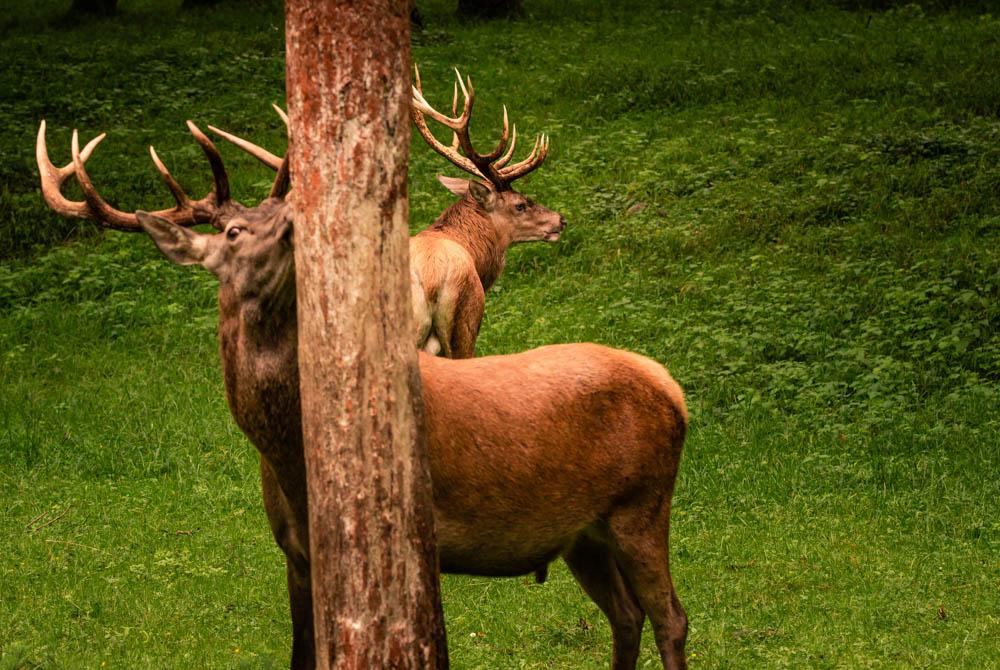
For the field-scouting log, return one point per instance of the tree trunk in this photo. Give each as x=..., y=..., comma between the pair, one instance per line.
x=94, y=7
x=490, y=9
x=374, y=566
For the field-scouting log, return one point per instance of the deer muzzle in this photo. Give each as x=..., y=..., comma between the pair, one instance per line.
x=553, y=235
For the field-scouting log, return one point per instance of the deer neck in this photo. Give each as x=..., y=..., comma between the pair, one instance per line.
x=258, y=345
x=465, y=224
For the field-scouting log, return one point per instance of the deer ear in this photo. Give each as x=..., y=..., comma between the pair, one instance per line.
x=483, y=194
x=457, y=186
x=177, y=243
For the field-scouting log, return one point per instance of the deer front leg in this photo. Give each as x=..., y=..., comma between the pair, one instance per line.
x=468, y=318
x=292, y=535
x=300, y=598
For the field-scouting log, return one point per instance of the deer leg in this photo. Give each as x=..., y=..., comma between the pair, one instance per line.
x=591, y=562
x=293, y=539
x=441, y=329
x=468, y=318
x=300, y=597
x=640, y=538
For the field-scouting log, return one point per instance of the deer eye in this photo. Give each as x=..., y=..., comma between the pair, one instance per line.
x=521, y=207
x=233, y=232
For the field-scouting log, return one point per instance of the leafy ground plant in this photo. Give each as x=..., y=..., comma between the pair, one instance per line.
x=795, y=207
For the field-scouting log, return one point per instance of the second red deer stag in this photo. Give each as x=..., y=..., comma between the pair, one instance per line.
x=460, y=256
x=455, y=261
x=564, y=451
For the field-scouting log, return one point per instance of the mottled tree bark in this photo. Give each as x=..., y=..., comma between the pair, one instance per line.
x=373, y=559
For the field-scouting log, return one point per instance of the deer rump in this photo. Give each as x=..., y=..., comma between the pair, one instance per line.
x=529, y=451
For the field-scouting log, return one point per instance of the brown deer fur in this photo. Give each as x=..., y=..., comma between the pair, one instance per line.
x=568, y=450
x=455, y=261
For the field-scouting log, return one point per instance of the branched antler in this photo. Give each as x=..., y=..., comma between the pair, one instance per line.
x=278, y=164
x=187, y=212
x=491, y=166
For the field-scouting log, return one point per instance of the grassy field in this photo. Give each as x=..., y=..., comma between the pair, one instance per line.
x=797, y=210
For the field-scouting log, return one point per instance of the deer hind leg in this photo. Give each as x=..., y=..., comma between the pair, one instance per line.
x=468, y=318
x=592, y=563
x=423, y=315
x=640, y=537
x=442, y=323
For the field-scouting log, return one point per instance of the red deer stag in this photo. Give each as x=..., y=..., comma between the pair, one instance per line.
x=459, y=257
x=568, y=450
x=455, y=261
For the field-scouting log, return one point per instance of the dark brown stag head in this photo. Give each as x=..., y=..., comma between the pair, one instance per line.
x=251, y=253
x=522, y=218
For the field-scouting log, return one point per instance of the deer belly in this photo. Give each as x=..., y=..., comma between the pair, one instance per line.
x=497, y=550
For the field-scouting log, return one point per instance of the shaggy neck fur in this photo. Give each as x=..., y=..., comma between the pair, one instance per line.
x=259, y=351
x=465, y=223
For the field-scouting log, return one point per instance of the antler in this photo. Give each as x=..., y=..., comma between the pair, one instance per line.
x=492, y=166
x=276, y=163
x=187, y=212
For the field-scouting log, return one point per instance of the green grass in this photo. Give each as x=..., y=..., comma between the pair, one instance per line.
x=797, y=209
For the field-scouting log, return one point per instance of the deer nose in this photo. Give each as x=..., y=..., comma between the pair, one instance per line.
x=562, y=223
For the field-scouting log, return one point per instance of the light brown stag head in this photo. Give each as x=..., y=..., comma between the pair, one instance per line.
x=524, y=219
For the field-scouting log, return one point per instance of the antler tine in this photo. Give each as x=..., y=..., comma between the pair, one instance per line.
x=221, y=189
x=537, y=156
x=460, y=125
x=179, y=195
x=99, y=209
x=52, y=177
x=454, y=112
x=282, y=181
x=281, y=113
x=503, y=160
x=458, y=77
x=260, y=153
x=502, y=144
